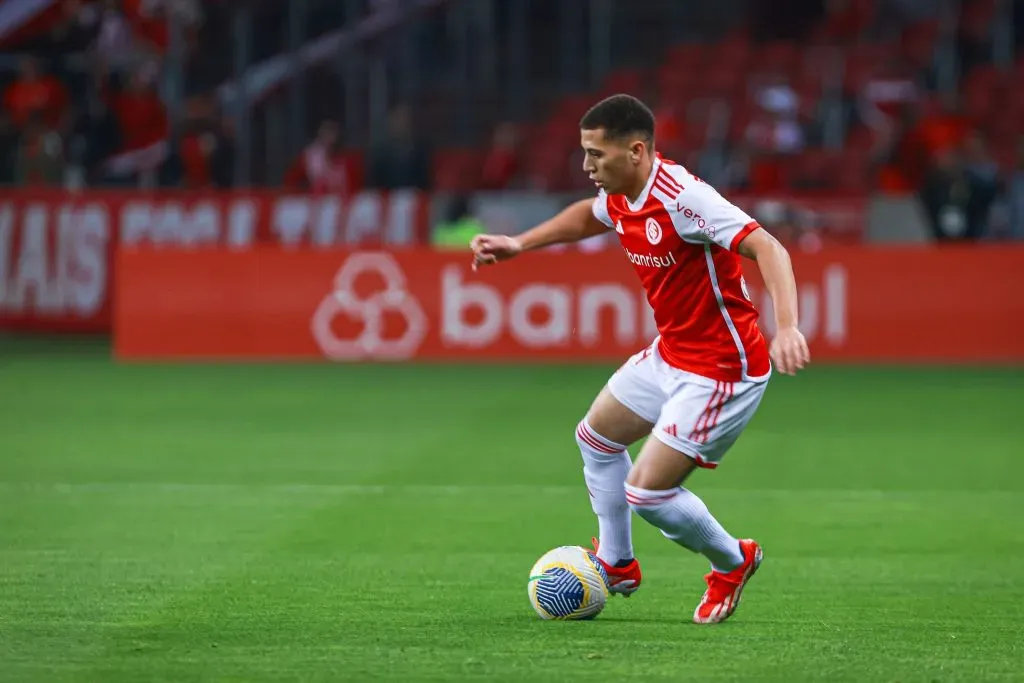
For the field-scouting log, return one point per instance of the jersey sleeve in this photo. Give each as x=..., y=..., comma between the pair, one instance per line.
x=701, y=214
x=600, y=209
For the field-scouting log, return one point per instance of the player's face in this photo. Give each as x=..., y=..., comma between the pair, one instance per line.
x=609, y=163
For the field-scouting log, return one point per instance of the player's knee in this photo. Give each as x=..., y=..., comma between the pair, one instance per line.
x=660, y=467
x=611, y=419
x=638, y=478
x=645, y=475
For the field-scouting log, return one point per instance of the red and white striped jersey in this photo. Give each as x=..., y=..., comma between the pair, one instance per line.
x=681, y=236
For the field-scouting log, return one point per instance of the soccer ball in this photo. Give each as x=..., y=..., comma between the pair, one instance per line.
x=568, y=583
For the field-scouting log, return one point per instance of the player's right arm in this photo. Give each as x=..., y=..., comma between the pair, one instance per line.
x=574, y=223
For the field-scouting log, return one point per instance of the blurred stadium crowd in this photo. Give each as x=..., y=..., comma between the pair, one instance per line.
x=900, y=97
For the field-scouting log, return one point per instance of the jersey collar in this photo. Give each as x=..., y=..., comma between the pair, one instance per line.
x=642, y=199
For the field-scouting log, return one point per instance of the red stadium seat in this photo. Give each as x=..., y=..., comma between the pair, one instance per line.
x=734, y=53
x=623, y=81
x=848, y=23
x=456, y=168
x=739, y=120
x=813, y=168
x=778, y=57
x=722, y=81
x=860, y=137
x=687, y=56
x=813, y=68
x=676, y=85
x=1006, y=156
x=919, y=42
x=1005, y=124
x=852, y=171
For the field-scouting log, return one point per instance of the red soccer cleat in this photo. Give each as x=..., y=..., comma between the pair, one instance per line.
x=723, y=594
x=622, y=580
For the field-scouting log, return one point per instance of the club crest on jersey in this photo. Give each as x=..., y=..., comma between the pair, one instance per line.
x=653, y=230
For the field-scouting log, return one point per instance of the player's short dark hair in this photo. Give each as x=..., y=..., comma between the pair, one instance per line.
x=621, y=116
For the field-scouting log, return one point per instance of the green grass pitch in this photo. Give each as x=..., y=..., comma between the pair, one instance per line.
x=356, y=523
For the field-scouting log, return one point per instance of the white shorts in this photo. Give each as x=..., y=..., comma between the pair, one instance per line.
x=695, y=415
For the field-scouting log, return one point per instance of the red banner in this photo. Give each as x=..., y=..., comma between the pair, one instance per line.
x=57, y=248
x=949, y=305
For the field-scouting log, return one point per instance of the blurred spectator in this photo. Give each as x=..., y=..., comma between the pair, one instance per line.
x=776, y=127
x=150, y=22
x=1007, y=217
x=206, y=148
x=35, y=93
x=885, y=95
x=75, y=30
x=116, y=44
x=401, y=159
x=40, y=156
x=974, y=35
x=776, y=133
x=773, y=134
x=140, y=111
x=884, y=78
x=921, y=134
x=900, y=153
x=978, y=160
x=959, y=191
x=96, y=136
x=943, y=126
x=502, y=161
x=776, y=95
x=459, y=226
x=325, y=166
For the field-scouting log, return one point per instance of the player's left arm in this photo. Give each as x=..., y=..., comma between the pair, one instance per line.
x=788, y=348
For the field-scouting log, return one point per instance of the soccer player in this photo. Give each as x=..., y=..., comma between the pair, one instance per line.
x=695, y=388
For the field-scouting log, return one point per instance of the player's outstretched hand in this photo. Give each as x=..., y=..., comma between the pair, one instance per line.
x=489, y=249
x=789, y=351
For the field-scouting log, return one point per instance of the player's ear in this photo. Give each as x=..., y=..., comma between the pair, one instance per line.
x=636, y=151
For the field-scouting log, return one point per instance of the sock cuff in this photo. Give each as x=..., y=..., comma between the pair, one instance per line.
x=647, y=498
x=586, y=435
